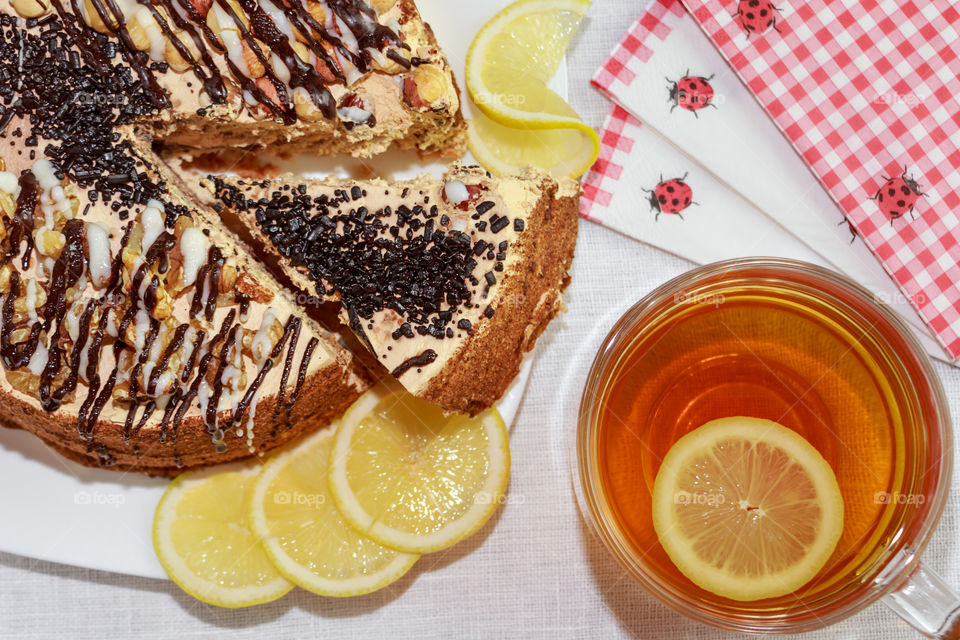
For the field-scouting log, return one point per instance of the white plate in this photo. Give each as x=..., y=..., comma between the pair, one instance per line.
x=59, y=511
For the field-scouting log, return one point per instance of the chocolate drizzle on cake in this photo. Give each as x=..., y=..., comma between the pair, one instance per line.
x=66, y=86
x=345, y=47
x=77, y=107
x=420, y=360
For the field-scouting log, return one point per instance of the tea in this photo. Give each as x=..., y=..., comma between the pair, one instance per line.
x=812, y=358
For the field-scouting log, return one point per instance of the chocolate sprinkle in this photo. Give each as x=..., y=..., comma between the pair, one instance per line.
x=374, y=260
x=63, y=101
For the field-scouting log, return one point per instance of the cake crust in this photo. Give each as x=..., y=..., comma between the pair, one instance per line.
x=484, y=367
x=325, y=396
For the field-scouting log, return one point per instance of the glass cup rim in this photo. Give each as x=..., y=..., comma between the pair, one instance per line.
x=586, y=484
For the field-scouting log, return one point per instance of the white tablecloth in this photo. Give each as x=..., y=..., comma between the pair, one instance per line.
x=533, y=571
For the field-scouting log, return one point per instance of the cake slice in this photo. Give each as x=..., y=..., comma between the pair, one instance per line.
x=448, y=282
x=135, y=332
x=322, y=76
x=156, y=344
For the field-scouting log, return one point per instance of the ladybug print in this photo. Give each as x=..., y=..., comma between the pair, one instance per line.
x=756, y=16
x=853, y=232
x=898, y=196
x=691, y=93
x=671, y=196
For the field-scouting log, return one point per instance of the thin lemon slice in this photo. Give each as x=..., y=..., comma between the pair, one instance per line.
x=411, y=478
x=747, y=508
x=304, y=534
x=515, y=54
x=201, y=538
x=508, y=66
x=506, y=151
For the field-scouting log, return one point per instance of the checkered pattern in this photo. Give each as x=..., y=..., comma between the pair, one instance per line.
x=616, y=138
x=617, y=135
x=655, y=21
x=864, y=90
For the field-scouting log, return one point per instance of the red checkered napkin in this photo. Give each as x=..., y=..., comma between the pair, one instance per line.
x=867, y=91
x=617, y=138
x=620, y=128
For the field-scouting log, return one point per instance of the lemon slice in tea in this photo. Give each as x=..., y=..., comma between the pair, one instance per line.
x=746, y=508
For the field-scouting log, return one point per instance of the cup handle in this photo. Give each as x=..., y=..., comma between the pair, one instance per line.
x=928, y=604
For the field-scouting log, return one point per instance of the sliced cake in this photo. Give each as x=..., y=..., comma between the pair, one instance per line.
x=448, y=282
x=324, y=76
x=135, y=333
x=138, y=332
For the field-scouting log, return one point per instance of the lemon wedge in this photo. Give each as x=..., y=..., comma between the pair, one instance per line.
x=304, y=535
x=509, y=64
x=202, y=539
x=412, y=478
x=746, y=508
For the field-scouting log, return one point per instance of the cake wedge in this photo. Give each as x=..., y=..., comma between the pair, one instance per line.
x=447, y=281
x=317, y=76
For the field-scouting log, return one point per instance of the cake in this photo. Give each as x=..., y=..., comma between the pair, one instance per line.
x=447, y=282
x=331, y=76
x=142, y=328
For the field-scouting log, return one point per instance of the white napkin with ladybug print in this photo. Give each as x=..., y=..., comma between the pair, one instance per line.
x=649, y=200
x=666, y=73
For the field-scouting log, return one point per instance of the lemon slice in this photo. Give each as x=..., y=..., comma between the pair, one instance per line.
x=411, y=478
x=747, y=508
x=508, y=66
x=506, y=151
x=306, y=537
x=201, y=538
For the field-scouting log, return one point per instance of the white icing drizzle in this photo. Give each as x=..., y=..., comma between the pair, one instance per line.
x=9, y=184
x=189, y=336
x=279, y=18
x=112, y=330
x=153, y=224
x=152, y=30
x=73, y=323
x=356, y=114
x=203, y=396
x=251, y=414
x=98, y=252
x=230, y=36
x=164, y=380
x=193, y=248
x=261, y=346
x=56, y=199
x=38, y=360
x=156, y=349
x=141, y=324
x=281, y=70
x=31, y=299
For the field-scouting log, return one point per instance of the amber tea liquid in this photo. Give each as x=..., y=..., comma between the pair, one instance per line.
x=796, y=352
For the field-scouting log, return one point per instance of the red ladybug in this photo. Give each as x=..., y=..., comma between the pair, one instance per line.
x=898, y=196
x=692, y=93
x=853, y=231
x=757, y=16
x=671, y=196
